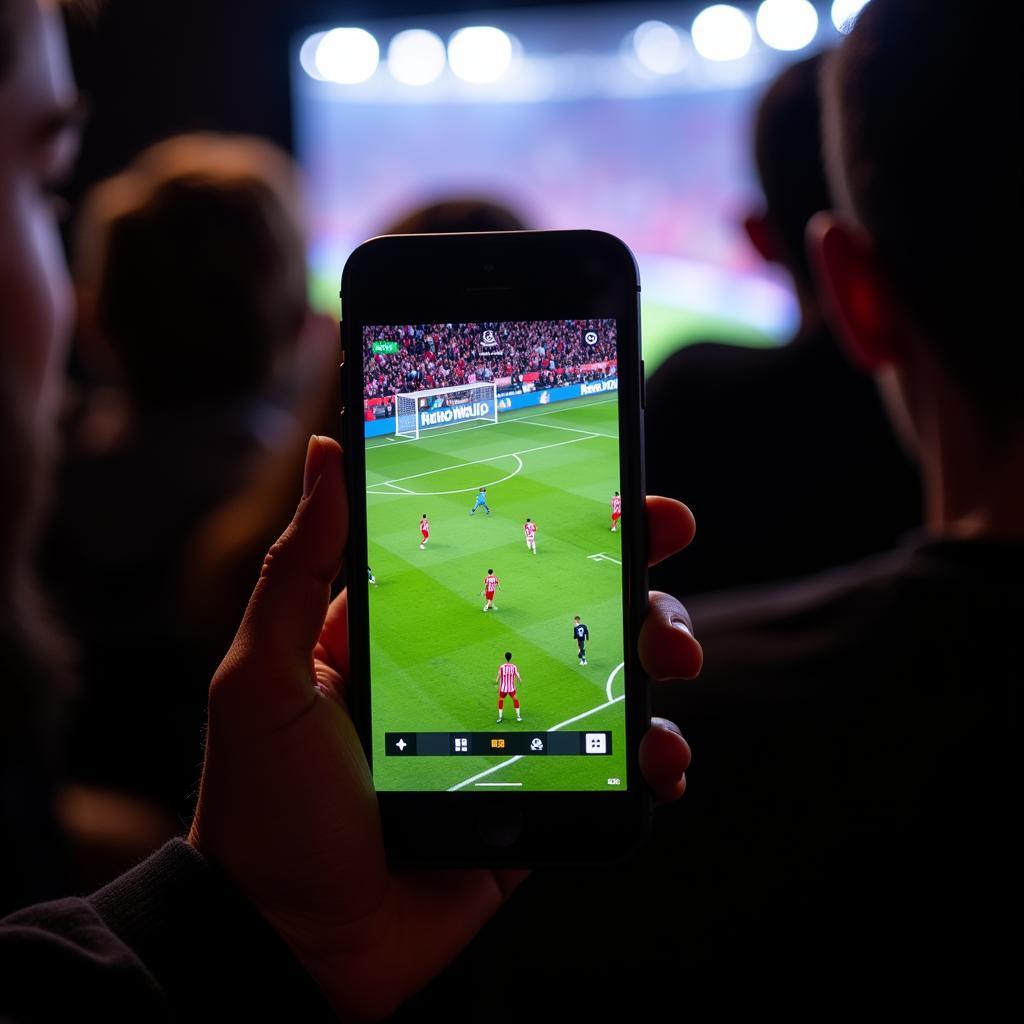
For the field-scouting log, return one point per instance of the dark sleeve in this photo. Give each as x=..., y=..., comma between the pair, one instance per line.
x=170, y=939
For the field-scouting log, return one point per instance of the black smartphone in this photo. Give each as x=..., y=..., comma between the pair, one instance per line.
x=493, y=430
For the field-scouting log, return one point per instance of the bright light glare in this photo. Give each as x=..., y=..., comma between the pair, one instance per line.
x=416, y=56
x=844, y=13
x=307, y=55
x=480, y=53
x=787, y=24
x=659, y=48
x=722, y=32
x=347, y=55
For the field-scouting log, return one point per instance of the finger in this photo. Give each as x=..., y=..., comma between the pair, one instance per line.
x=670, y=527
x=664, y=759
x=286, y=613
x=333, y=645
x=668, y=649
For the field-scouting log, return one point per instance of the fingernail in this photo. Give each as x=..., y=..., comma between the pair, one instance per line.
x=314, y=465
x=680, y=624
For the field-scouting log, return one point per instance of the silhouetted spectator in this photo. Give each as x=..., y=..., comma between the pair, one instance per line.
x=456, y=215
x=784, y=454
x=191, y=279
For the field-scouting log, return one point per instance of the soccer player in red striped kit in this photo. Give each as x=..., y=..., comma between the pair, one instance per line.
x=424, y=530
x=530, y=530
x=616, y=510
x=491, y=583
x=508, y=676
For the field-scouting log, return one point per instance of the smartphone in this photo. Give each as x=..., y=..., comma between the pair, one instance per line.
x=493, y=430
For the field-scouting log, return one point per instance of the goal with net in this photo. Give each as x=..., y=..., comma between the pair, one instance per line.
x=416, y=411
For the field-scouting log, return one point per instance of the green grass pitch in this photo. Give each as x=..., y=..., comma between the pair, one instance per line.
x=435, y=652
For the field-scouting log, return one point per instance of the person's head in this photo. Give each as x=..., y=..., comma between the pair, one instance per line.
x=490, y=572
x=923, y=108
x=38, y=138
x=190, y=267
x=528, y=519
x=790, y=167
x=508, y=655
x=576, y=619
x=450, y=216
x=424, y=516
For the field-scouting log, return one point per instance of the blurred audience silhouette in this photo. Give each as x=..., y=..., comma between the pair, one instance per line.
x=190, y=274
x=784, y=454
x=457, y=214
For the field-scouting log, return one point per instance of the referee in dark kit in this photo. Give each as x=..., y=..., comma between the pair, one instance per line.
x=582, y=634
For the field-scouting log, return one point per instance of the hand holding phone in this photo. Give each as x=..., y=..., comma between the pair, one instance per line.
x=499, y=372
x=286, y=806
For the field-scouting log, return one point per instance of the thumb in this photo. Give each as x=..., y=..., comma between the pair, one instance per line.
x=286, y=612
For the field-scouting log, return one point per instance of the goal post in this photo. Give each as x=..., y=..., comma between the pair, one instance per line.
x=417, y=411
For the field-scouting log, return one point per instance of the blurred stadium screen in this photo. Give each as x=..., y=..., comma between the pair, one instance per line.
x=593, y=117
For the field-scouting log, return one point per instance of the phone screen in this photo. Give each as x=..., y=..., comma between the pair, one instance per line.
x=495, y=560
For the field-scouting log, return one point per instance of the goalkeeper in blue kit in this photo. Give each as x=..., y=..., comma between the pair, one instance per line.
x=481, y=499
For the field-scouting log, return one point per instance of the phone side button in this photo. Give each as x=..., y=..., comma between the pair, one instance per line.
x=643, y=385
x=499, y=826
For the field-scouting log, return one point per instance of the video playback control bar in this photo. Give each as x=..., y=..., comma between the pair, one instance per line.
x=496, y=744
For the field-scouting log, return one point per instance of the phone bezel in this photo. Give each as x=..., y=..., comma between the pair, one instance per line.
x=528, y=275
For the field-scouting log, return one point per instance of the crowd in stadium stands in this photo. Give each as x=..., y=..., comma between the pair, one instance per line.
x=444, y=355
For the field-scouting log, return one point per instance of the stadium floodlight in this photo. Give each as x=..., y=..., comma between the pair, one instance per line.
x=787, y=24
x=416, y=57
x=416, y=411
x=659, y=48
x=722, y=32
x=480, y=53
x=307, y=55
x=347, y=55
x=844, y=13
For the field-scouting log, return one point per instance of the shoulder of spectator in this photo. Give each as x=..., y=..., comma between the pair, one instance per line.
x=170, y=937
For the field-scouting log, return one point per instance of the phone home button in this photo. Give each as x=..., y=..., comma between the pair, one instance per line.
x=499, y=826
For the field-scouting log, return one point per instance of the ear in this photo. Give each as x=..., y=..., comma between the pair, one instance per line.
x=763, y=237
x=854, y=293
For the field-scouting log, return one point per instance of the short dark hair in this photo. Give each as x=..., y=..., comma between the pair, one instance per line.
x=922, y=114
x=790, y=165
x=490, y=570
x=199, y=263
x=508, y=655
x=458, y=215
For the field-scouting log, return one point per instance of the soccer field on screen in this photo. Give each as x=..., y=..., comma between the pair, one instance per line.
x=435, y=653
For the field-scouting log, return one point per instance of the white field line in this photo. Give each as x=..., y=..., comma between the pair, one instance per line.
x=554, y=728
x=602, y=557
x=458, y=490
x=574, y=430
x=477, y=462
x=614, y=673
x=499, y=783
